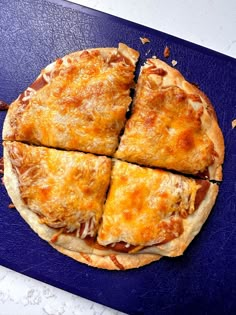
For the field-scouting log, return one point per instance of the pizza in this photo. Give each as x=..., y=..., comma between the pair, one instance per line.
x=108, y=182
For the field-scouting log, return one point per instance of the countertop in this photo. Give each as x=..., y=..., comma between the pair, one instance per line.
x=208, y=23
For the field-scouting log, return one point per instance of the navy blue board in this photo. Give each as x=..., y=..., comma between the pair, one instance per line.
x=33, y=34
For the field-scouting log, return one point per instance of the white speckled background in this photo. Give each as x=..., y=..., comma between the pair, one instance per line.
x=210, y=23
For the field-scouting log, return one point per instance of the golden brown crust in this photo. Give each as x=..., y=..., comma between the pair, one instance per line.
x=110, y=262
x=172, y=119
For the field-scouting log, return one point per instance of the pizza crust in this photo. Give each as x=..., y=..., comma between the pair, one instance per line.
x=112, y=261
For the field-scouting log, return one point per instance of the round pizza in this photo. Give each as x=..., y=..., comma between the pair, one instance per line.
x=113, y=181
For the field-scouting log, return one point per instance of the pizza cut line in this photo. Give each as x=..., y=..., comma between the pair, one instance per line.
x=105, y=191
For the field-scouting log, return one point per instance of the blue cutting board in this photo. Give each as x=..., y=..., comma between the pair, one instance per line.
x=203, y=280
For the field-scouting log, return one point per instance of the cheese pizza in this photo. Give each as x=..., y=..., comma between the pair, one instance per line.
x=108, y=192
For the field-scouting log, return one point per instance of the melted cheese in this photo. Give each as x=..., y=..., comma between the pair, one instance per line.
x=165, y=128
x=66, y=189
x=145, y=206
x=81, y=105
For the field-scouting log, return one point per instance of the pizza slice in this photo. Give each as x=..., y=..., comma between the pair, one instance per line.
x=152, y=211
x=79, y=102
x=57, y=192
x=173, y=125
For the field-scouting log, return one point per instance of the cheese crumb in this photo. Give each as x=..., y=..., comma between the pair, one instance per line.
x=233, y=123
x=174, y=63
x=144, y=40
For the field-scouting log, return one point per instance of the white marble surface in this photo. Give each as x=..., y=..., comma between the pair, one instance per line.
x=22, y=295
x=210, y=23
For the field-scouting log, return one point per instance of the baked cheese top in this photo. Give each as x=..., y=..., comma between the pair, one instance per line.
x=145, y=206
x=77, y=103
x=66, y=189
x=166, y=129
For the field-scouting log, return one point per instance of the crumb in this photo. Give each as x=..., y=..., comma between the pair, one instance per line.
x=144, y=40
x=1, y=166
x=3, y=105
x=196, y=85
x=147, y=52
x=11, y=206
x=154, y=57
x=174, y=63
x=166, y=52
x=233, y=123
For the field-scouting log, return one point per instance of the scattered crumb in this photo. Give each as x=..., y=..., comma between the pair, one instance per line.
x=196, y=85
x=174, y=63
x=3, y=105
x=166, y=52
x=1, y=166
x=144, y=40
x=233, y=123
x=147, y=52
x=154, y=57
x=11, y=206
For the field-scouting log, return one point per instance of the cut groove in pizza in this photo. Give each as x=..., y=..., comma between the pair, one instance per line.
x=173, y=125
x=80, y=100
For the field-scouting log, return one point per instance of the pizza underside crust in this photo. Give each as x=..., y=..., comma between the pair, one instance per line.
x=112, y=261
x=107, y=258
